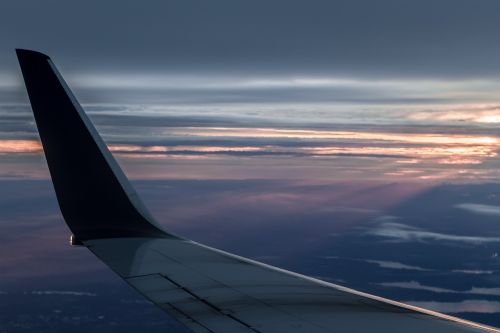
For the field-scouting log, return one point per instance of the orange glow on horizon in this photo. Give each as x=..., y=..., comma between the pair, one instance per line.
x=20, y=146
x=166, y=149
x=336, y=154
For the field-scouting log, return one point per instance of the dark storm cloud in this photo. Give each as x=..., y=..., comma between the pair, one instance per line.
x=354, y=37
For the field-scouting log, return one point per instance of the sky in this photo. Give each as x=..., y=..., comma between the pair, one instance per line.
x=363, y=133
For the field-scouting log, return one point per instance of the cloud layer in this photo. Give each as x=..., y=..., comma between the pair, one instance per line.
x=239, y=141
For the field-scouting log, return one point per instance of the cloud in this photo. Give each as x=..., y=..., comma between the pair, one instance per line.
x=415, y=285
x=484, y=291
x=405, y=233
x=401, y=266
x=213, y=82
x=265, y=140
x=313, y=89
x=480, y=209
x=410, y=138
x=467, y=306
x=472, y=271
x=384, y=263
x=396, y=265
x=473, y=113
x=62, y=293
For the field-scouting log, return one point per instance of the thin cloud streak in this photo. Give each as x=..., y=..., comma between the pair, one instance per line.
x=472, y=271
x=475, y=113
x=405, y=233
x=62, y=293
x=176, y=81
x=467, y=306
x=322, y=134
x=415, y=285
x=396, y=265
x=124, y=148
x=384, y=264
x=480, y=209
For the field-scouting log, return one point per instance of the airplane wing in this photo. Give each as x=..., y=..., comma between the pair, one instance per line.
x=206, y=289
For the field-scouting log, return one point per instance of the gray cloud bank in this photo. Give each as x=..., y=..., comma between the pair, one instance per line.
x=356, y=37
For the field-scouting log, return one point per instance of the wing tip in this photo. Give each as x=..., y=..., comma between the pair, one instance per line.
x=30, y=54
x=95, y=198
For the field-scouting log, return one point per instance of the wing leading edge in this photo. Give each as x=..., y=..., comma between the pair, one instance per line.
x=207, y=289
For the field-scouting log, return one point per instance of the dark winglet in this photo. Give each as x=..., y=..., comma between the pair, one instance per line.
x=95, y=197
